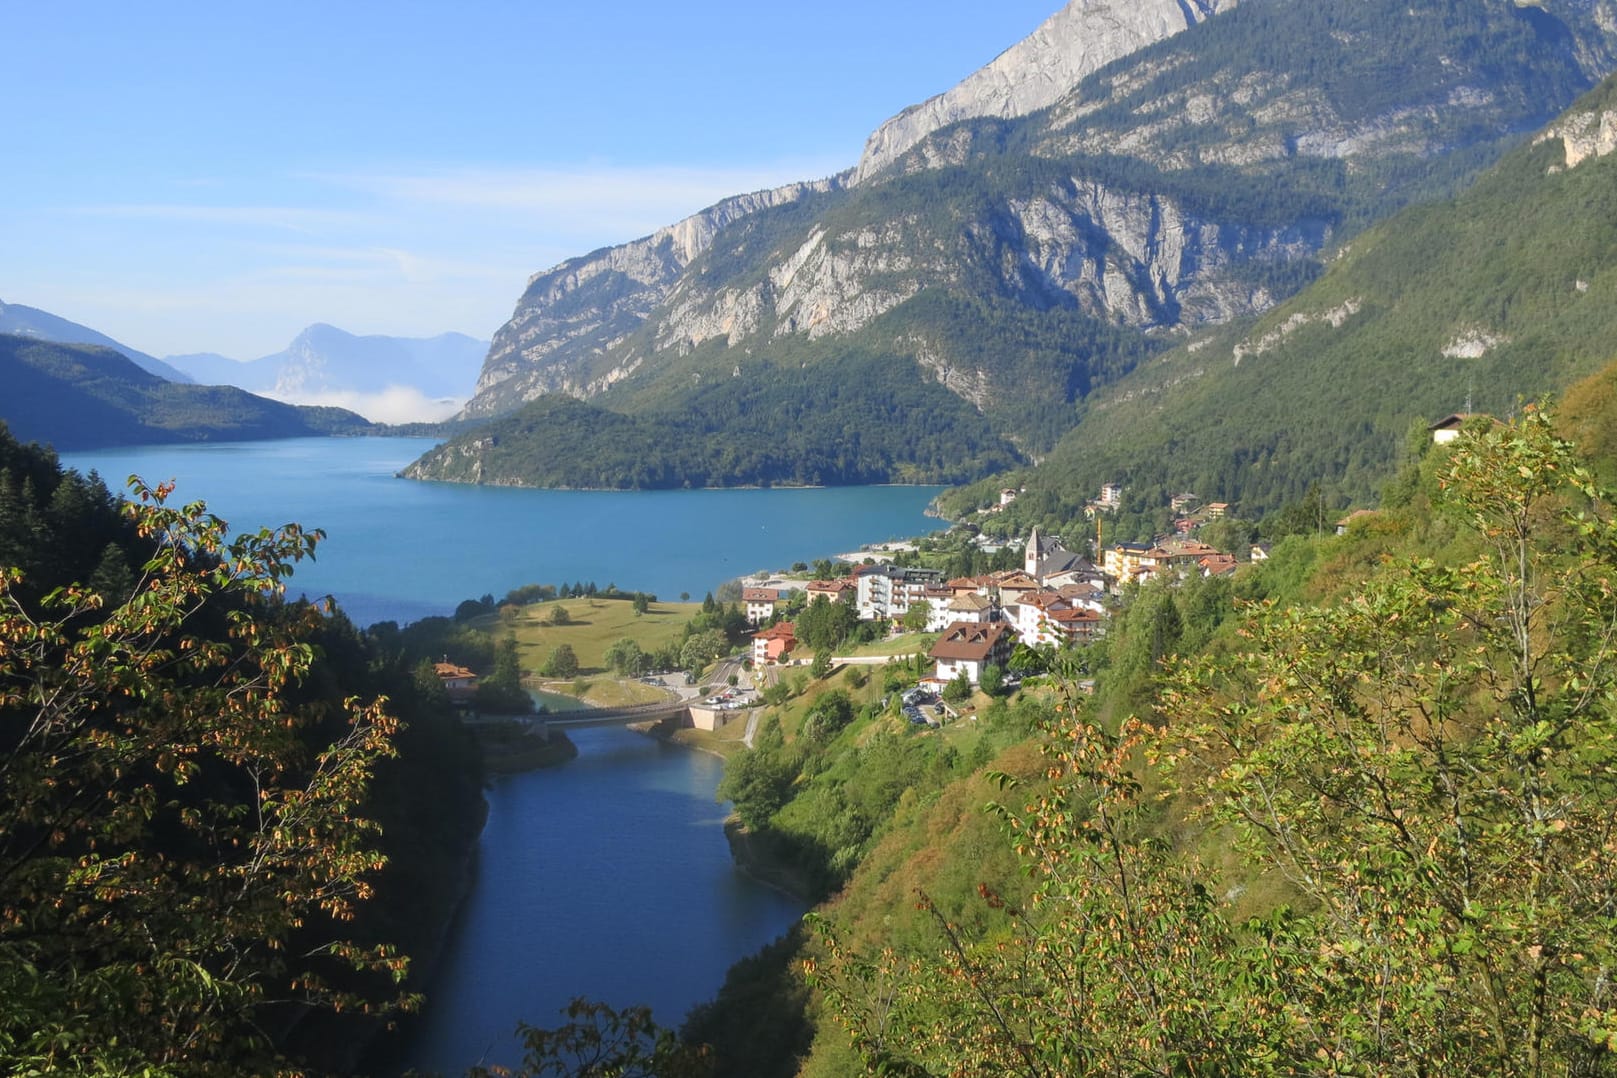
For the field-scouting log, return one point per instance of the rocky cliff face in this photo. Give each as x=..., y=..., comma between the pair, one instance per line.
x=1584, y=136
x=1193, y=181
x=1139, y=260
x=572, y=316
x=1038, y=71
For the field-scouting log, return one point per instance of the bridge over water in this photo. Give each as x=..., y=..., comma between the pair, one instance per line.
x=615, y=716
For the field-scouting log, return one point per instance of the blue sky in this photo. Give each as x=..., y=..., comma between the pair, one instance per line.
x=214, y=177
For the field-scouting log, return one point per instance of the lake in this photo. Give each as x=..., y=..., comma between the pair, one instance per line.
x=401, y=550
x=608, y=876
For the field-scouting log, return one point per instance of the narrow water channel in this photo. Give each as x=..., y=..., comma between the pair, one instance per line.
x=607, y=877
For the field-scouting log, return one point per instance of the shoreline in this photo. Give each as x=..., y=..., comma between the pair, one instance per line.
x=760, y=866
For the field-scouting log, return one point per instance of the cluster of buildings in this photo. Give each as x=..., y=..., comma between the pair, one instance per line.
x=1057, y=597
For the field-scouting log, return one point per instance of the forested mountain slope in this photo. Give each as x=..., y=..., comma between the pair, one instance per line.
x=1500, y=295
x=22, y=321
x=81, y=396
x=1020, y=264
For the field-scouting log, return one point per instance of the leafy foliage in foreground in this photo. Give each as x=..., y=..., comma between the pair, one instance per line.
x=182, y=845
x=1429, y=763
x=598, y=1041
x=192, y=775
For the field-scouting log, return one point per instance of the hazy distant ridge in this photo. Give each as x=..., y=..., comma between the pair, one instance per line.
x=42, y=325
x=78, y=396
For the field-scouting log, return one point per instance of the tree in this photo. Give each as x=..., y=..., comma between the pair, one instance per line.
x=600, y=1042
x=758, y=783
x=830, y=713
x=821, y=666
x=181, y=840
x=561, y=662
x=917, y=617
x=471, y=608
x=702, y=648
x=1433, y=765
x=993, y=680
x=641, y=605
x=626, y=658
x=823, y=625
x=501, y=691
x=559, y=616
x=959, y=690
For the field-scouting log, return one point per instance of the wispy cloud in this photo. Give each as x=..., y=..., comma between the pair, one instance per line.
x=403, y=250
x=577, y=195
x=291, y=218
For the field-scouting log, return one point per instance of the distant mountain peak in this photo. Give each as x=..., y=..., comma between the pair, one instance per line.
x=1076, y=41
x=389, y=379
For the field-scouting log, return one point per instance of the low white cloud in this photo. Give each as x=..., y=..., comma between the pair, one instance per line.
x=396, y=404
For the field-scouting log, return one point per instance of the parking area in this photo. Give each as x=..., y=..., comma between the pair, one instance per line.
x=922, y=707
x=731, y=699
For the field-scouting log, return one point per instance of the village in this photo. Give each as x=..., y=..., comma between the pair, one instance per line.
x=1056, y=598
x=960, y=631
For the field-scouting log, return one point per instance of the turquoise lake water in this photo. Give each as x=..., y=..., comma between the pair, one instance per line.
x=609, y=876
x=400, y=550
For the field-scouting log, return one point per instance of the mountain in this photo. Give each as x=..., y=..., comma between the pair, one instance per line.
x=1479, y=303
x=1035, y=73
x=76, y=396
x=42, y=325
x=1017, y=265
x=389, y=379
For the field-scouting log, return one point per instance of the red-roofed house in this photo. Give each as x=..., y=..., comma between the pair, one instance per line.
x=830, y=589
x=772, y=644
x=1076, y=625
x=460, y=682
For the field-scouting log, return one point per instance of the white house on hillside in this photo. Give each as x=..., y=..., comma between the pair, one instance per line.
x=761, y=603
x=967, y=648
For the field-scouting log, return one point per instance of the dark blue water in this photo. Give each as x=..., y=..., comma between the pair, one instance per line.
x=608, y=877
x=402, y=550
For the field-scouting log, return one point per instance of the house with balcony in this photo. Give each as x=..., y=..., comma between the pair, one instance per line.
x=773, y=644
x=832, y=590
x=761, y=603
x=967, y=648
x=886, y=592
x=972, y=608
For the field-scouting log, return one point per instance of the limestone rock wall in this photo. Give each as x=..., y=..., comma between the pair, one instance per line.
x=1036, y=72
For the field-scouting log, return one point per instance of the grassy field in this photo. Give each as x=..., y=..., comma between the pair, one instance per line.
x=594, y=625
x=607, y=691
x=907, y=644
